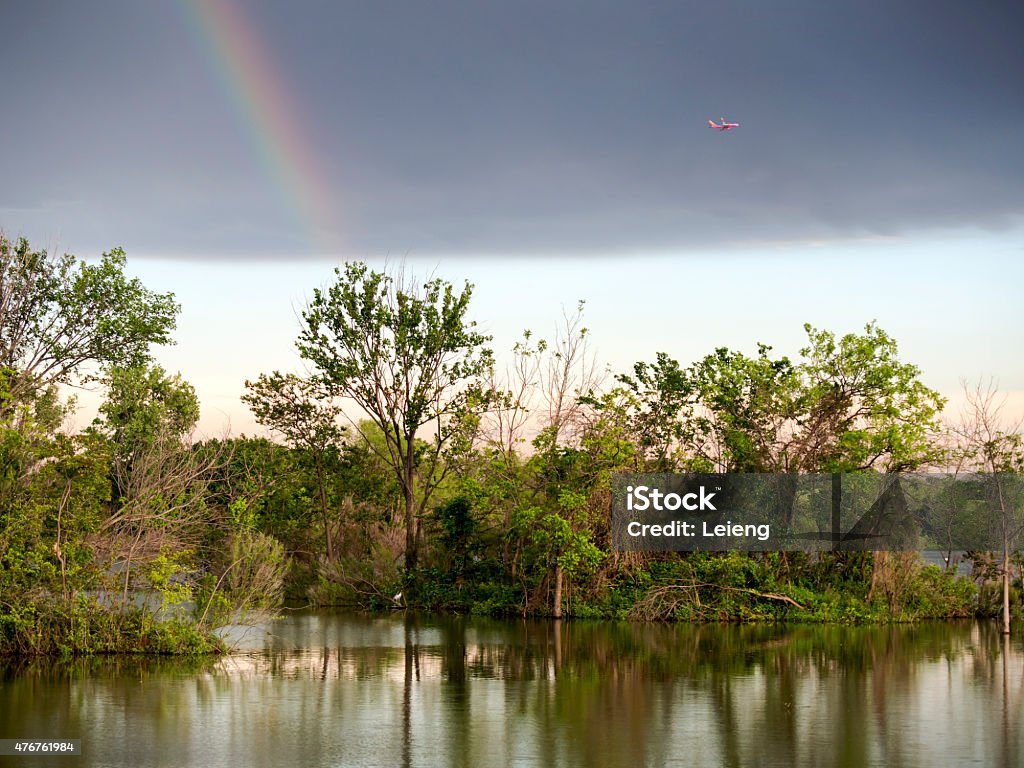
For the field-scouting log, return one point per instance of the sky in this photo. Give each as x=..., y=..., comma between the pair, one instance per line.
x=546, y=152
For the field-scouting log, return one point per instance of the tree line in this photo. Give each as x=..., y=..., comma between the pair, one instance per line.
x=408, y=469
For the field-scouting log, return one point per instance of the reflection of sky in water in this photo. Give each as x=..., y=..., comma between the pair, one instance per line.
x=329, y=689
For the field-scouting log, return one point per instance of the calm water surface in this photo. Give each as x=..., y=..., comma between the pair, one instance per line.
x=336, y=689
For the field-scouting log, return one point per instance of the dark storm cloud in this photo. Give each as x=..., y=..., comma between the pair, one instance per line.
x=521, y=128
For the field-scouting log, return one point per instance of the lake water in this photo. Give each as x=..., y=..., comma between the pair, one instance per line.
x=337, y=689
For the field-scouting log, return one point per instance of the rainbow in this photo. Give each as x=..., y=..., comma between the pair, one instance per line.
x=245, y=68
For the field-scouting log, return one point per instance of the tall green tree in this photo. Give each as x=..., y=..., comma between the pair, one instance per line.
x=847, y=404
x=62, y=319
x=862, y=407
x=406, y=355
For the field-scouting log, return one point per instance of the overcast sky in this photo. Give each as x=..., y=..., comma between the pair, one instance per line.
x=210, y=136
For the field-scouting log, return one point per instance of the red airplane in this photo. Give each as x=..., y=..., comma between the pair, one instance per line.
x=723, y=126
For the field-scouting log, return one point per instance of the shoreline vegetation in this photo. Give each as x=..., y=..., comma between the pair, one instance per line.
x=410, y=470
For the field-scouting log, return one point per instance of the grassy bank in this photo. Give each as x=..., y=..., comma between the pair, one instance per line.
x=84, y=627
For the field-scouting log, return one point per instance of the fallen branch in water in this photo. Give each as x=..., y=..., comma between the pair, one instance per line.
x=768, y=595
x=661, y=603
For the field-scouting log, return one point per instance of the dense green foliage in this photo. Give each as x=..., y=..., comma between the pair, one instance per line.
x=109, y=541
x=451, y=486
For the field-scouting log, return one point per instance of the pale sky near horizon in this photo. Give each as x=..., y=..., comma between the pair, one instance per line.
x=546, y=152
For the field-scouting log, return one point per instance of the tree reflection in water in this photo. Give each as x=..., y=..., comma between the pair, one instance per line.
x=337, y=689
